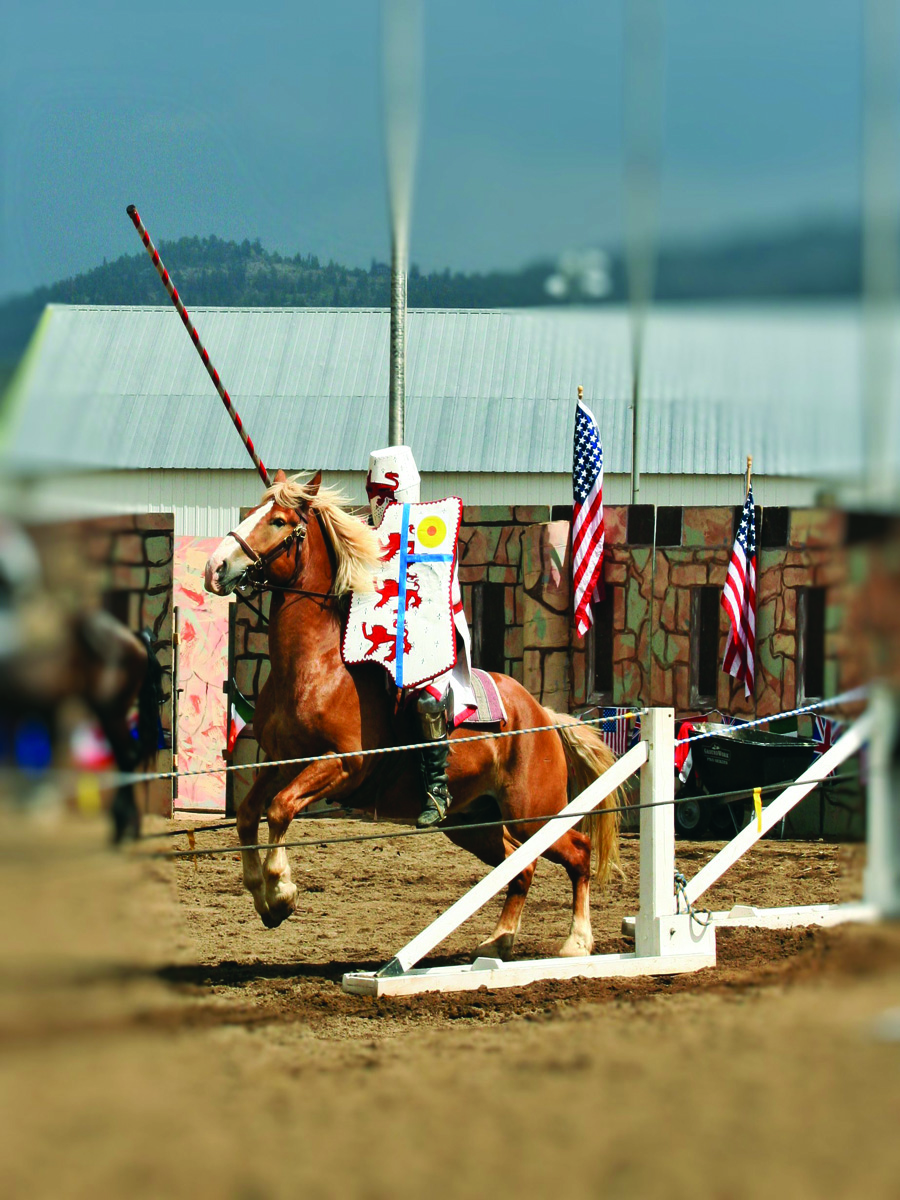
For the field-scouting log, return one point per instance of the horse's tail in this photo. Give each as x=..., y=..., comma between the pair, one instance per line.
x=587, y=757
x=149, y=702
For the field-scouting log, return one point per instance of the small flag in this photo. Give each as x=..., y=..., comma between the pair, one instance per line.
x=241, y=714
x=614, y=729
x=739, y=601
x=826, y=732
x=588, y=534
x=684, y=758
x=635, y=735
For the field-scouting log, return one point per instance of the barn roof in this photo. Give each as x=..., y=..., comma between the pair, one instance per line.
x=487, y=391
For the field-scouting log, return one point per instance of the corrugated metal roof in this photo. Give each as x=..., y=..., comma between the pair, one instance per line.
x=487, y=391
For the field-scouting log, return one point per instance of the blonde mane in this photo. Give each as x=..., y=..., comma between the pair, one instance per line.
x=356, y=545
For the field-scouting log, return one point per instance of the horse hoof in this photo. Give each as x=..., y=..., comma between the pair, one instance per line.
x=498, y=947
x=576, y=947
x=280, y=904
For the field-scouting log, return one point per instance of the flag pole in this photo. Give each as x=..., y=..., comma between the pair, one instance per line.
x=580, y=392
x=749, y=471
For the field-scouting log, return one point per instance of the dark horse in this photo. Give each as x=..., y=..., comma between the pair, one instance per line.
x=100, y=662
x=303, y=544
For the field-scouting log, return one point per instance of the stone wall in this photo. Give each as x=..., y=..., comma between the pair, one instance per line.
x=490, y=551
x=652, y=590
x=527, y=554
x=546, y=604
x=814, y=557
x=700, y=561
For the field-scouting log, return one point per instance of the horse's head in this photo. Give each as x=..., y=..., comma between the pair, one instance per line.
x=269, y=540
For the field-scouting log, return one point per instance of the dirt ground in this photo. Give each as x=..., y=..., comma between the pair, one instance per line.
x=156, y=1040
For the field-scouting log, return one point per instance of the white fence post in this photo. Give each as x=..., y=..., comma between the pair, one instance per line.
x=657, y=825
x=659, y=928
x=882, y=876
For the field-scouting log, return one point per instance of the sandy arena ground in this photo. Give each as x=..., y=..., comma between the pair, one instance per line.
x=156, y=1040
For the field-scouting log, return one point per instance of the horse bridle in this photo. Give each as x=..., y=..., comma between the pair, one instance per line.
x=254, y=577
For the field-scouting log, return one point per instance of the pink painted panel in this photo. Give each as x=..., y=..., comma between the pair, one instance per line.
x=202, y=669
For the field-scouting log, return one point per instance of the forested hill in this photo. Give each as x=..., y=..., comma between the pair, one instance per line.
x=210, y=271
x=819, y=261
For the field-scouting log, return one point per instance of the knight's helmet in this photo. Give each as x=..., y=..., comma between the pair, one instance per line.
x=392, y=476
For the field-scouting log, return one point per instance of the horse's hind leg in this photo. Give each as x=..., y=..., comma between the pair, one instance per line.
x=494, y=846
x=573, y=851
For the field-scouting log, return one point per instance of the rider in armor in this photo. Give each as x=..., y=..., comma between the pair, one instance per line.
x=448, y=699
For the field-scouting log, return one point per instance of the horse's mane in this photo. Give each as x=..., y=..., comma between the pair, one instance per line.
x=356, y=545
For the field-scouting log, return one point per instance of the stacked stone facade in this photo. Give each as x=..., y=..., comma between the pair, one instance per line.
x=522, y=550
x=490, y=551
x=652, y=588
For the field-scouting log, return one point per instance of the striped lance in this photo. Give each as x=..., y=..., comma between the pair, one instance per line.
x=195, y=338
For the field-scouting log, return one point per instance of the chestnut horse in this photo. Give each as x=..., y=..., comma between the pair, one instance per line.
x=302, y=544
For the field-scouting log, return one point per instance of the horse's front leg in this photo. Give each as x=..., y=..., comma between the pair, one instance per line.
x=328, y=779
x=263, y=788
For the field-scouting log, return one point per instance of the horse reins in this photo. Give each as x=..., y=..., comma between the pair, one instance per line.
x=255, y=574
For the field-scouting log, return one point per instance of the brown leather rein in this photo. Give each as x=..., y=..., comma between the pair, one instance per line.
x=255, y=578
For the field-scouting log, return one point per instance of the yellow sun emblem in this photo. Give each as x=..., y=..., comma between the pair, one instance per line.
x=431, y=532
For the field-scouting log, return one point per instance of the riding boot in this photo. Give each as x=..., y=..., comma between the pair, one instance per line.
x=433, y=759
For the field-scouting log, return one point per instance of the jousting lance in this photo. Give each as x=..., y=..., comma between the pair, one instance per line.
x=201, y=350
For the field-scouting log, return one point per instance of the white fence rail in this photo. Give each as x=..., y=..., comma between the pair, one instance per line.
x=667, y=941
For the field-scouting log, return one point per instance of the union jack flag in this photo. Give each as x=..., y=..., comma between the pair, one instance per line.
x=635, y=735
x=826, y=732
x=739, y=601
x=588, y=533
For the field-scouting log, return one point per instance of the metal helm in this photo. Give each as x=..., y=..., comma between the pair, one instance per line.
x=392, y=476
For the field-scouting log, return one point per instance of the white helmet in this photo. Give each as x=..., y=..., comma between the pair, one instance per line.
x=392, y=476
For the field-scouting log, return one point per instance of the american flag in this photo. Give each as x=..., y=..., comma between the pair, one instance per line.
x=615, y=731
x=739, y=601
x=588, y=534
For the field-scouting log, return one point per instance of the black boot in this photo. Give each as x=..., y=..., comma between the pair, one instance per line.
x=433, y=718
x=433, y=768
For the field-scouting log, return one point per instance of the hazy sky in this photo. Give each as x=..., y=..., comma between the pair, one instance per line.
x=263, y=120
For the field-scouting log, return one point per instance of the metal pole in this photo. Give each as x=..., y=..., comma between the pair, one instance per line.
x=198, y=345
x=397, y=393
x=635, y=425
x=881, y=161
x=401, y=32
x=643, y=142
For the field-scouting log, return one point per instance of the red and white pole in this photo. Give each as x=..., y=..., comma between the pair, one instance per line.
x=188, y=324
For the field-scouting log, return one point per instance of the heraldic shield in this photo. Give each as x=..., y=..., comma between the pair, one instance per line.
x=406, y=624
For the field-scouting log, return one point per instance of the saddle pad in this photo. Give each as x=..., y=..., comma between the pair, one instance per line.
x=491, y=710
